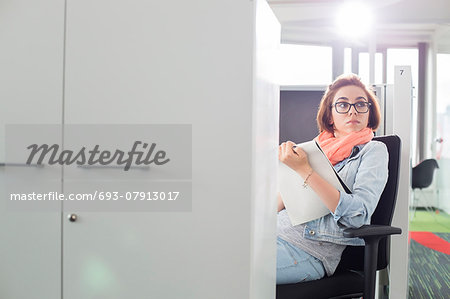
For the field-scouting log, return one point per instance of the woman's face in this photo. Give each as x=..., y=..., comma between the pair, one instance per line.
x=354, y=120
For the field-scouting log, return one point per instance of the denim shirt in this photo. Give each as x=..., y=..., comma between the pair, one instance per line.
x=365, y=172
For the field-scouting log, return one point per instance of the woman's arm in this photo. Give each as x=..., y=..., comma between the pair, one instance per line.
x=350, y=210
x=356, y=209
x=297, y=159
x=326, y=192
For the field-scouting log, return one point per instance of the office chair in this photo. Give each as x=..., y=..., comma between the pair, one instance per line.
x=422, y=176
x=355, y=274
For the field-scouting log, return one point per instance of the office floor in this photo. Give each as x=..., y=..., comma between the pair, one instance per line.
x=429, y=266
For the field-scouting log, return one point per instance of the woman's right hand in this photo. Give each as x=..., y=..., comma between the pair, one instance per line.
x=294, y=157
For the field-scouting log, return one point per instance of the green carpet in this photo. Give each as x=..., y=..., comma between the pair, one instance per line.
x=425, y=221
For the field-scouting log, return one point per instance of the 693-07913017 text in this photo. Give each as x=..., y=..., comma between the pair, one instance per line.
x=98, y=195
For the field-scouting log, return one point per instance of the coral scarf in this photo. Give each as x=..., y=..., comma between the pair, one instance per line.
x=337, y=149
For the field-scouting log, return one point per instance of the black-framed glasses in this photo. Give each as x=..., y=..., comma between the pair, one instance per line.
x=344, y=107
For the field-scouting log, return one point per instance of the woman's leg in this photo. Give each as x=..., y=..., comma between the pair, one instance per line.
x=294, y=265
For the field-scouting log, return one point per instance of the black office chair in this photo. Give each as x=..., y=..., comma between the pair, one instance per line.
x=422, y=174
x=355, y=274
x=422, y=177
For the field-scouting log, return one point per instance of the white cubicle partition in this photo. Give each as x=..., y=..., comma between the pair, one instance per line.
x=202, y=63
x=398, y=121
x=266, y=102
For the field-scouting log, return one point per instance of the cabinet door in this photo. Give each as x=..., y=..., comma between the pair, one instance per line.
x=165, y=62
x=31, y=60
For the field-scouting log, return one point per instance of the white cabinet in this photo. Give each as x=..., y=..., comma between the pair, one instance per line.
x=201, y=63
x=31, y=89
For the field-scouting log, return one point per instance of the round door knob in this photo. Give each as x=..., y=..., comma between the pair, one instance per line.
x=72, y=217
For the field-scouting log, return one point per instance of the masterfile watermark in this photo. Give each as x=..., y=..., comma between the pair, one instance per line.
x=97, y=195
x=52, y=155
x=98, y=168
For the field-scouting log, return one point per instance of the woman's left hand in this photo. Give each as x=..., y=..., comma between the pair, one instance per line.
x=295, y=158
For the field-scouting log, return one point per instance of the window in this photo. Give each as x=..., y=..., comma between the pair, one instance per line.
x=364, y=64
x=347, y=60
x=442, y=85
x=443, y=105
x=305, y=65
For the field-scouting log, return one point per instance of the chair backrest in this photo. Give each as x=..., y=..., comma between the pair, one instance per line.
x=353, y=256
x=422, y=174
x=385, y=209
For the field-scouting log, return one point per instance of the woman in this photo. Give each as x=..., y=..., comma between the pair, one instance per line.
x=348, y=114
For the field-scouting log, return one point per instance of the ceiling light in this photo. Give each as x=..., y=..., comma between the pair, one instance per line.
x=354, y=19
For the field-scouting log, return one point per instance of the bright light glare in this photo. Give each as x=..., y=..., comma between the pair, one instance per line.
x=354, y=19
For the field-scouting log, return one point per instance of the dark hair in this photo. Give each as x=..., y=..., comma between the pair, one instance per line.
x=324, y=114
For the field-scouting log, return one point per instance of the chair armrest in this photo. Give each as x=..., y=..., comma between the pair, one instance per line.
x=367, y=231
x=371, y=234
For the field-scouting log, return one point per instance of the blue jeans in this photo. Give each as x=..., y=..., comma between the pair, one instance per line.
x=295, y=265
